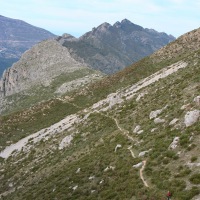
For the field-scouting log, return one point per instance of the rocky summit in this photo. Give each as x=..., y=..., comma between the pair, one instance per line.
x=16, y=37
x=131, y=135
x=111, y=48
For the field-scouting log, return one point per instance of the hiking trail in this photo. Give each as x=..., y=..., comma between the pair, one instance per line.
x=141, y=173
x=125, y=132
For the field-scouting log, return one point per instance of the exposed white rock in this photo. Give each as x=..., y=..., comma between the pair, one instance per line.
x=185, y=106
x=112, y=168
x=154, y=114
x=175, y=142
x=77, y=83
x=141, y=95
x=65, y=142
x=158, y=121
x=173, y=122
x=10, y=185
x=78, y=170
x=141, y=154
x=45, y=133
x=75, y=187
x=138, y=165
x=130, y=92
x=191, y=137
x=136, y=129
x=197, y=100
x=140, y=132
x=118, y=146
x=109, y=168
x=193, y=164
x=101, y=181
x=191, y=117
x=153, y=130
x=91, y=177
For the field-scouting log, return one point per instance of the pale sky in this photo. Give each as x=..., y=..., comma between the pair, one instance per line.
x=77, y=17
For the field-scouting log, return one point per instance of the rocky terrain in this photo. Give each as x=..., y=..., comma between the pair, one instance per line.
x=111, y=48
x=16, y=37
x=131, y=135
x=46, y=68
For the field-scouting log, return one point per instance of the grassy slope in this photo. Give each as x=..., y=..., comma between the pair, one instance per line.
x=33, y=96
x=54, y=175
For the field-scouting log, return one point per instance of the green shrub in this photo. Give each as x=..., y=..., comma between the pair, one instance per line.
x=193, y=158
x=195, y=178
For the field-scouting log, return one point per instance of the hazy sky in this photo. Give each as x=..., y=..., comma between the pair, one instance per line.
x=76, y=17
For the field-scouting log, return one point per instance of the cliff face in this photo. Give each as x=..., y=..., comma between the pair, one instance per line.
x=111, y=48
x=39, y=65
x=16, y=37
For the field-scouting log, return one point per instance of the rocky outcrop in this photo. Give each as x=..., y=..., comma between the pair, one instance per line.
x=174, y=144
x=38, y=66
x=191, y=117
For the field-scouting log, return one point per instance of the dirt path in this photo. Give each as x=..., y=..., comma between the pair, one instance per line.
x=126, y=133
x=141, y=173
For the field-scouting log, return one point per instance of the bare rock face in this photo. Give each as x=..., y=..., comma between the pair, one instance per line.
x=191, y=117
x=197, y=100
x=175, y=142
x=39, y=65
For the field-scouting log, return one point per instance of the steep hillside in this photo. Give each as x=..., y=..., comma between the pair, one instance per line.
x=111, y=48
x=133, y=135
x=46, y=70
x=16, y=37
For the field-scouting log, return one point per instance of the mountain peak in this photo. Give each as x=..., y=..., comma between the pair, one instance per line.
x=127, y=25
x=126, y=21
x=103, y=26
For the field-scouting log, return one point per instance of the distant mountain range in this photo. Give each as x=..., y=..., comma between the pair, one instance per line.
x=16, y=37
x=106, y=48
x=111, y=48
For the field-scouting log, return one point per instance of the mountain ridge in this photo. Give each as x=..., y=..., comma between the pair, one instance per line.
x=17, y=36
x=111, y=48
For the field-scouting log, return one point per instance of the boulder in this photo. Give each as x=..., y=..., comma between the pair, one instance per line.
x=197, y=100
x=191, y=117
x=65, y=142
x=154, y=114
x=158, y=121
x=173, y=122
x=138, y=165
x=175, y=142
